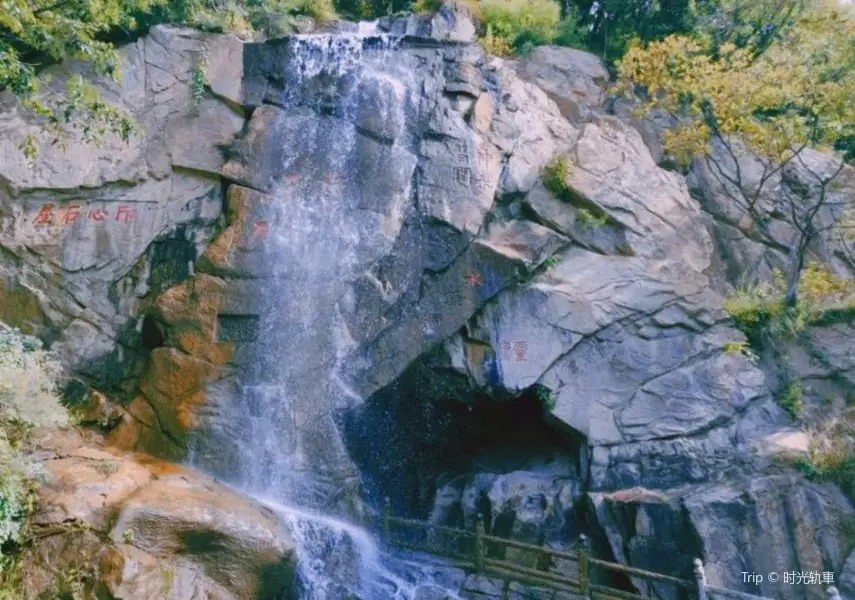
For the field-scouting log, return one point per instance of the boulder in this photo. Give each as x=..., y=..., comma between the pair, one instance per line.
x=573, y=79
x=741, y=526
x=144, y=529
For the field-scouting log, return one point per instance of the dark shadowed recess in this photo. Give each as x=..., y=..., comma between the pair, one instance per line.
x=432, y=425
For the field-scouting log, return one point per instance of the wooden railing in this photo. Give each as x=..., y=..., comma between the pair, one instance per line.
x=561, y=570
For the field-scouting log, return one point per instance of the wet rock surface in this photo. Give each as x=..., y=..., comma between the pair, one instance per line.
x=371, y=208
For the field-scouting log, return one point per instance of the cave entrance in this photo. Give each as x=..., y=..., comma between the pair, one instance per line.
x=445, y=451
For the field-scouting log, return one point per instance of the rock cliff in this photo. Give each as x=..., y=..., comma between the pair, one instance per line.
x=365, y=218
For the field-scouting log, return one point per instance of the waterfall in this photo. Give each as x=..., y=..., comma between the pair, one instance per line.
x=273, y=436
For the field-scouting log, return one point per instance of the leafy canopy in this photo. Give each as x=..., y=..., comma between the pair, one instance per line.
x=37, y=33
x=777, y=97
x=40, y=32
x=773, y=90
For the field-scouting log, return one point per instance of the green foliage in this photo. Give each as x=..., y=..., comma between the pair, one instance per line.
x=472, y=7
x=792, y=398
x=28, y=399
x=545, y=397
x=742, y=348
x=555, y=174
x=588, y=221
x=747, y=23
x=550, y=262
x=37, y=33
x=795, y=93
x=760, y=311
x=735, y=347
x=611, y=26
x=519, y=25
x=198, y=86
x=570, y=33
x=767, y=79
x=245, y=18
x=128, y=536
x=426, y=6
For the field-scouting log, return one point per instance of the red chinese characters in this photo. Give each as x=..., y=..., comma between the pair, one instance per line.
x=259, y=229
x=517, y=350
x=474, y=279
x=125, y=212
x=98, y=215
x=74, y=212
x=44, y=216
x=71, y=214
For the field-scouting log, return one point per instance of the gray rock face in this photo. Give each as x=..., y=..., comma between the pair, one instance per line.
x=631, y=347
x=386, y=209
x=573, y=79
x=87, y=231
x=847, y=577
x=750, y=526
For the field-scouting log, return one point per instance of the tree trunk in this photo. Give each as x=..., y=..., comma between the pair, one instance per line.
x=794, y=272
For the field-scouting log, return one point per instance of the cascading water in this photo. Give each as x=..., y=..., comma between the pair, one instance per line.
x=274, y=437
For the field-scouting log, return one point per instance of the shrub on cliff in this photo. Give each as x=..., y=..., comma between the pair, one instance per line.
x=762, y=313
x=750, y=95
x=28, y=400
x=520, y=24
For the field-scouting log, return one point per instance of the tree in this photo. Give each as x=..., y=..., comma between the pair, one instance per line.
x=747, y=24
x=611, y=25
x=38, y=33
x=35, y=33
x=767, y=98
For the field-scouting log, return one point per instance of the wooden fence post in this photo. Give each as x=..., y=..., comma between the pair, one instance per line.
x=479, y=543
x=701, y=579
x=582, y=564
x=387, y=518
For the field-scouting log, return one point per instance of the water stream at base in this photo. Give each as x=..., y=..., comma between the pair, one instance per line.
x=320, y=537
x=262, y=437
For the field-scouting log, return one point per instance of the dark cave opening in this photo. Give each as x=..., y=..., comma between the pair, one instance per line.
x=430, y=428
x=444, y=451
x=152, y=333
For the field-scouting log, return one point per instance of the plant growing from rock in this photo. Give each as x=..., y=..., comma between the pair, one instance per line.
x=198, y=86
x=28, y=399
x=757, y=99
x=761, y=311
x=37, y=33
x=831, y=453
x=792, y=398
x=588, y=221
x=554, y=176
x=545, y=397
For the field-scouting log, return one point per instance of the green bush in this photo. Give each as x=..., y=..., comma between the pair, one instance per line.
x=28, y=400
x=831, y=454
x=521, y=24
x=555, y=174
x=792, y=398
x=545, y=397
x=760, y=310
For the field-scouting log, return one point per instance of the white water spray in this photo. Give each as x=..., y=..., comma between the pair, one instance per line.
x=272, y=436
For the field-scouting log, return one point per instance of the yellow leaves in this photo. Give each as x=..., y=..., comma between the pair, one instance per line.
x=818, y=284
x=799, y=90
